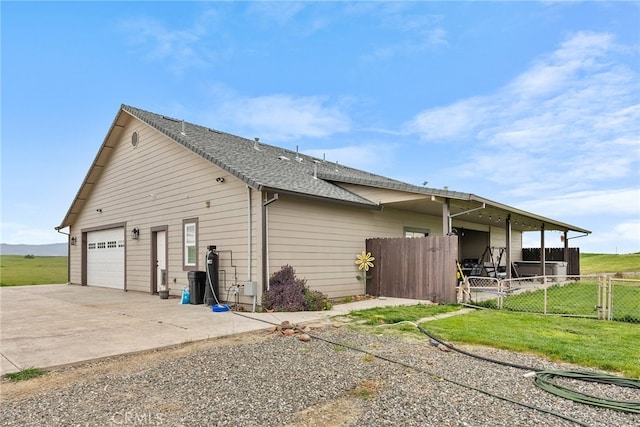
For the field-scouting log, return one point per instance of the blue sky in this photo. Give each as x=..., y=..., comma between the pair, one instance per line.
x=532, y=104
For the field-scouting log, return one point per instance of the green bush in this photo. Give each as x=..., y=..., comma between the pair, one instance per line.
x=316, y=301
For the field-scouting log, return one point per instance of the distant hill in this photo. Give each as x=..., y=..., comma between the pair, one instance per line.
x=54, y=249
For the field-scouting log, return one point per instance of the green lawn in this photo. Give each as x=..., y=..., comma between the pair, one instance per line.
x=609, y=263
x=17, y=270
x=610, y=346
x=591, y=343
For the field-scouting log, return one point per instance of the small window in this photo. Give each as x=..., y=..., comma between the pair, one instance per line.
x=111, y=244
x=190, y=239
x=91, y=246
x=416, y=232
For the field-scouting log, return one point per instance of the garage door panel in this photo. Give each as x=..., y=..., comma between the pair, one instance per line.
x=105, y=258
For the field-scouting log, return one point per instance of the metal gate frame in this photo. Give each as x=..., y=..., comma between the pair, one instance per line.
x=501, y=288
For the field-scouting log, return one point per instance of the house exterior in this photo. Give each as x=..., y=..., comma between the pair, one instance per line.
x=161, y=191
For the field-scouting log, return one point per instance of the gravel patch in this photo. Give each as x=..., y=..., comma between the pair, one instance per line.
x=266, y=379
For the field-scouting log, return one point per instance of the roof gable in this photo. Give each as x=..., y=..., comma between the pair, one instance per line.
x=269, y=168
x=264, y=166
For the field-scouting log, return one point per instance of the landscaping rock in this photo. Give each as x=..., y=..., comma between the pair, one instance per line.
x=304, y=337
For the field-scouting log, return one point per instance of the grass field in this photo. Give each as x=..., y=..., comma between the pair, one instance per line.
x=17, y=270
x=609, y=263
x=604, y=345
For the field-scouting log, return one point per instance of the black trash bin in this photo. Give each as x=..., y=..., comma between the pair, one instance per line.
x=197, y=281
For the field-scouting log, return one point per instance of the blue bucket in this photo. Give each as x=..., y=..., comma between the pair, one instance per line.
x=219, y=308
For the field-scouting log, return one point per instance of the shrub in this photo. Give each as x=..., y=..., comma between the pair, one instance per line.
x=288, y=293
x=316, y=301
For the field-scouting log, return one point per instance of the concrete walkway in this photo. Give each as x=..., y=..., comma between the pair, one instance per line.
x=51, y=325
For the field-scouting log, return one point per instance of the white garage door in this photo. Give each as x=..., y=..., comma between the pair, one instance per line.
x=105, y=258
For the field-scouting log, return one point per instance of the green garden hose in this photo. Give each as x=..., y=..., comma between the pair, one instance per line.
x=544, y=380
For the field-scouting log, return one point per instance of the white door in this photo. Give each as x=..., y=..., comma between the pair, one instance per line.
x=105, y=258
x=161, y=259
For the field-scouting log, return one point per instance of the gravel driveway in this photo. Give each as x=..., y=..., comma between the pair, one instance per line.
x=266, y=379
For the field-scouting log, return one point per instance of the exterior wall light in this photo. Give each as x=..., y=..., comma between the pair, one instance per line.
x=135, y=234
x=74, y=240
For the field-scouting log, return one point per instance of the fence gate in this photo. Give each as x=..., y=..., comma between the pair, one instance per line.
x=578, y=296
x=417, y=268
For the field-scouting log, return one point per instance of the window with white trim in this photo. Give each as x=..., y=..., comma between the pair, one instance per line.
x=416, y=232
x=190, y=247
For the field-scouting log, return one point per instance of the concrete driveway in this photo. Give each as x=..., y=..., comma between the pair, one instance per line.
x=51, y=325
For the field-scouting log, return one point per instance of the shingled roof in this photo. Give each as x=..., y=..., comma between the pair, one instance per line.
x=269, y=168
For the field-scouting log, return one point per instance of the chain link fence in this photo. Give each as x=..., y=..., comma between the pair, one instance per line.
x=625, y=299
x=599, y=297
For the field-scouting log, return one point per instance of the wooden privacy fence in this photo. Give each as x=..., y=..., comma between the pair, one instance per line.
x=418, y=268
x=555, y=254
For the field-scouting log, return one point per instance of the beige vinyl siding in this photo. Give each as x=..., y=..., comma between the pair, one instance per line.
x=382, y=195
x=161, y=183
x=516, y=246
x=321, y=240
x=498, y=236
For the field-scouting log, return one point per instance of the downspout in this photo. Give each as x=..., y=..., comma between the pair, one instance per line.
x=265, y=263
x=446, y=218
x=68, y=253
x=249, y=246
x=566, y=250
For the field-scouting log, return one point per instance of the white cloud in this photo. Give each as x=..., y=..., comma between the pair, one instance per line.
x=268, y=14
x=619, y=202
x=622, y=238
x=572, y=120
x=178, y=48
x=458, y=120
x=409, y=32
x=279, y=117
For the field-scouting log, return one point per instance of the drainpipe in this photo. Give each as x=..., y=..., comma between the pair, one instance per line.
x=249, y=246
x=265, y=263
x=446, y=218
x=68, y=253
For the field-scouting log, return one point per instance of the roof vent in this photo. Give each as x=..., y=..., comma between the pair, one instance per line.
x=298, y=158
x=284, y=158
x=182, y=132
x=255, y=144
x=134, y=139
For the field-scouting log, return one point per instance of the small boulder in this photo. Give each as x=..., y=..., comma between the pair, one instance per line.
x=286, y=325
x=304, y=337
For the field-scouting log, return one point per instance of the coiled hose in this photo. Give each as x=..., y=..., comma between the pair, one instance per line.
x=544, y=380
